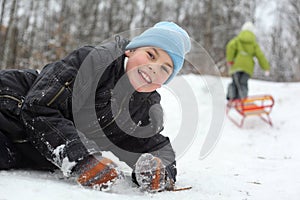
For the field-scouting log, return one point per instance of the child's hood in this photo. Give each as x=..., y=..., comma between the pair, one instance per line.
x=247, y=36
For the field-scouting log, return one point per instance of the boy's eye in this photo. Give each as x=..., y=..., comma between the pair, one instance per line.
x=165, y=68
x=151, y=55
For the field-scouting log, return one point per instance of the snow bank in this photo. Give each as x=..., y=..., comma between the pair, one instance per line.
x=256, y=162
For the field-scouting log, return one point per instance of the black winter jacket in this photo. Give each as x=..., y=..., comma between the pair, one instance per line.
x=81, y=105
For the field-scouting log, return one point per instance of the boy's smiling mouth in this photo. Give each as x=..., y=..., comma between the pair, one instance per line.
x=145, y=76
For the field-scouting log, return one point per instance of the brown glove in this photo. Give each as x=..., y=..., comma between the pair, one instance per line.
x=99, y=173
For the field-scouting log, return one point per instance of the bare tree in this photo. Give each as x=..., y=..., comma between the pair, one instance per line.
x=7, y=37
x=208, y=33
x=279, y=62
x=3, y=30
x=95, y=16
x=48, y=30
x=292, y=10
x=248, y=8
x=2, y=11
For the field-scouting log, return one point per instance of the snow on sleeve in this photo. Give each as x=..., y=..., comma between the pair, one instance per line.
x=63, y=162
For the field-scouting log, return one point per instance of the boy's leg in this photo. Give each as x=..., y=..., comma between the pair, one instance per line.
x=236, y=81
x=231, y=90
x=8, y=153
x=240, y=80
x=244, y=77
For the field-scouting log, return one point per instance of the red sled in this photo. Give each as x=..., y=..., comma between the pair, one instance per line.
x=260, y=106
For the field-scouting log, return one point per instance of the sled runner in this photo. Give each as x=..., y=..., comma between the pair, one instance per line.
x=250, y=106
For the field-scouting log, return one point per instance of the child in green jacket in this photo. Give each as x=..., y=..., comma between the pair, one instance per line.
x=240, y=52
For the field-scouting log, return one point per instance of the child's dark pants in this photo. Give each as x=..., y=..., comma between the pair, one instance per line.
x=8, y=153
x=239, y=87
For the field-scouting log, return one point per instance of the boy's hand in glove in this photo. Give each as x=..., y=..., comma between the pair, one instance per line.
x=151, y=174
x=98, y=173
x=229, y=63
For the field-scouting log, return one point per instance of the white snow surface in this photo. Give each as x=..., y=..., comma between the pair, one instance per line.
x=254, y=162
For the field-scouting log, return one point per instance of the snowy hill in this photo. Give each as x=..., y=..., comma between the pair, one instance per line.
x=256, y=162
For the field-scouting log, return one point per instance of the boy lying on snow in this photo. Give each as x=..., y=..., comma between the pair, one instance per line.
x=95, y=99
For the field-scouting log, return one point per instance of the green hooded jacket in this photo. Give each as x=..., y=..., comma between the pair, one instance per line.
x=241, y=50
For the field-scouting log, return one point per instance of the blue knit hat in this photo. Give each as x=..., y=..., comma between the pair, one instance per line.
x=168, y=36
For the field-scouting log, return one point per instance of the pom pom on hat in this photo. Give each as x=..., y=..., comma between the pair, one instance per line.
x=248, y=26
x=168, y=36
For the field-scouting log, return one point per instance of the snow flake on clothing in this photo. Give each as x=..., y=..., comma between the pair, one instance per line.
x=64, y=163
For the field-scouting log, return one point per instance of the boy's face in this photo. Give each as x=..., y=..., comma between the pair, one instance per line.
x=148, y=68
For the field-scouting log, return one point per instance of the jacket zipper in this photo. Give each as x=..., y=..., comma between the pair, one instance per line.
x=20, y=102
x=66, y=85
x=117, y=115
x=114, y=119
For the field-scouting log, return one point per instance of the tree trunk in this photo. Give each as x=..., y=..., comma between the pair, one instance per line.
x=95, y=19
x=7, y=34
x=34, y=29
x=2, y=32
x=13, y=44
x=208, y=35
x=2, y=12
x=25, y=32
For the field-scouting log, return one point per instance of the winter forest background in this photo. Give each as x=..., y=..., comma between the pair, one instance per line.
x=34, y=33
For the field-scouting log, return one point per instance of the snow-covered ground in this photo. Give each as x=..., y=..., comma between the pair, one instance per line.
x=256, y=162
